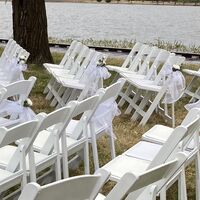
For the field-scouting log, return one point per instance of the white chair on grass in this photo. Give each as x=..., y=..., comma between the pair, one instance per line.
x=76, y=188
x=75, y=72
x=70, y=145
x=145, y=155
x=39, y=161
x=192, y=90
x=68, y=65
x=151, y=93
x=10, y=176
x=12, y=98
x=151, y=71
x=159, y=134
x=81, y=85
x=146, y=185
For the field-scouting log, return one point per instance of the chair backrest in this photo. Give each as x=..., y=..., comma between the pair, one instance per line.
x=75, y=188
x=76, y=66
x=144, y=50
x=154, y=51
x=74, y=54
x=161, y=58
x=21, y=88
x=8, y=136
x=132, y=54
x=110, y=92
x=85, y=63
x=79, y=108
x=180, y=135
x=6, y=49
x=68, y=52
x=173, y=59
x=46, y=121
x=148, y=183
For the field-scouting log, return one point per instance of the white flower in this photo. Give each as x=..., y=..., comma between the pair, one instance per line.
x=28, y=103
x=22, y=60
x=176, y=67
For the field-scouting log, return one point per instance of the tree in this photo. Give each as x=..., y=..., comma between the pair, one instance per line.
x=30, y=29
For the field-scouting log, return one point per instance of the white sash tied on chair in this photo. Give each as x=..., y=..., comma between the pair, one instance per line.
x=16, y=111
x=175, y=85
x=94, y=76
x=14, y=70
x=103, y=116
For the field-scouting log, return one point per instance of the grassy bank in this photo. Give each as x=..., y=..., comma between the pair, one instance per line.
x=128, y=132
x=170, y=46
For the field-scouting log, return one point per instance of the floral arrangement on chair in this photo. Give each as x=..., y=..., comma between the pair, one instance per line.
x=101, y=62
x=28, y=103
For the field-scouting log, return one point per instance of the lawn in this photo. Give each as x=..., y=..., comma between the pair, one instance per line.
x=128, y=132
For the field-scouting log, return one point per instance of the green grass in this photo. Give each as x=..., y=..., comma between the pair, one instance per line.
x=128, y=132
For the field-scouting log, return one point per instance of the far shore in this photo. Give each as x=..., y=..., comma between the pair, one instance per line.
x=168, y=3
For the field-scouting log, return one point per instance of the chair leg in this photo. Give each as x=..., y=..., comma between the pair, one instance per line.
x=59, y=92
x=112, y=144
x=197, y=170
x=126, y=93
x=86, y=158
x=94, y=147
x=141, y=106
x=182, y=190
x=153, y=106
x=136, y=97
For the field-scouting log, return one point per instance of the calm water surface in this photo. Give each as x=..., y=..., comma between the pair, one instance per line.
x=111, y=21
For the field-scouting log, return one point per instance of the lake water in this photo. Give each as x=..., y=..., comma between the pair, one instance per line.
x=143, y=23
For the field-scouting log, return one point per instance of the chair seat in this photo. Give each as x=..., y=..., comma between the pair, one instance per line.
x=75, y=84
x=123, y=164
x=7, y=152
x=42, y=138
x=157, y=134
x=4, y=174
x=192, y=72
x=144, y=150
x=132, y=75
x=144, y=84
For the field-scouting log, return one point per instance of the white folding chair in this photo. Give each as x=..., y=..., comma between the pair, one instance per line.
x=154, y=91
x=191, y=89
x=77, y=188
x=145, y=155
x=10, y=176
x=146, y=185
x=12, y=98
x=68, y=65
x=159, y=134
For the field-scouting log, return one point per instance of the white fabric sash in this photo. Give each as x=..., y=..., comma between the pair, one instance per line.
x=175, y=85
x=104, y=114
x=16, y=111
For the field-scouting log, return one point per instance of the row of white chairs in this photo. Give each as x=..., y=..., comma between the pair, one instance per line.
x=143, y=172
x=145, y=70
x=68, y=79
x=12, y=63
x=51, y=137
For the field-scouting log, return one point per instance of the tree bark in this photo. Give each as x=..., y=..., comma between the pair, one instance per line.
x=30, y=29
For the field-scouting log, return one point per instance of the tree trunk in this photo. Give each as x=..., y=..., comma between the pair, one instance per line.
x=30, y=29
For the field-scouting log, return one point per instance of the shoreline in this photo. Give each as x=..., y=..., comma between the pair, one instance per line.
x=156, y=3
